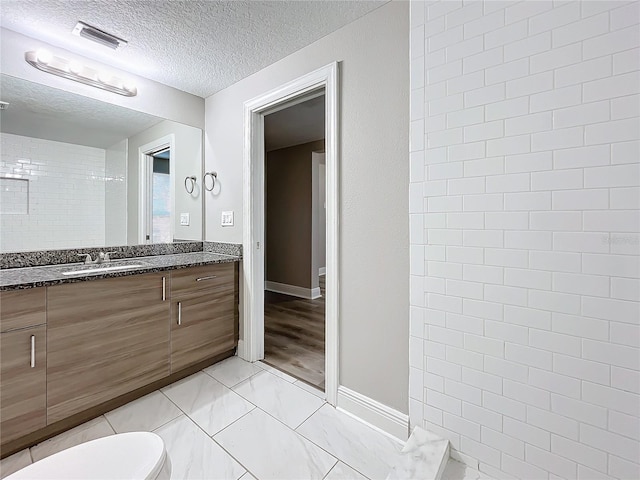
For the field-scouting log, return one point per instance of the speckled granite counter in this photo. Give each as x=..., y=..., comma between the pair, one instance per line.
x=29, y=277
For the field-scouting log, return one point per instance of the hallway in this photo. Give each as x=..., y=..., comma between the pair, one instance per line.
x=294, y=335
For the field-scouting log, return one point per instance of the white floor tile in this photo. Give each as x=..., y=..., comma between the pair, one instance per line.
x=145, y=414
x=353, y=442
x=96, y=428
x=270, y=450
x=247, y=476
x=194, y=455
x=288, y=403
x=209, y=403
x=232, y=371
x=314, y=390
x=344, y=472
x=276, y=372
x=14, y=463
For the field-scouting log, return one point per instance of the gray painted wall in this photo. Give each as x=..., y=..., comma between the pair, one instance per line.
x=374, y=195
x=290, y=215
x=186, y=160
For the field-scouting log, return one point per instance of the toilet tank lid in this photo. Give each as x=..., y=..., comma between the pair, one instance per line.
x=133, y=455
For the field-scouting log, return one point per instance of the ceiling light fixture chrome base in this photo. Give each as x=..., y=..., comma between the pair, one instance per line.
x=45, y=61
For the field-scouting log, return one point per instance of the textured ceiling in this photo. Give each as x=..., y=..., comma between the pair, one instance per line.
x=39, y=111
x=301, y=123
x=196, y=46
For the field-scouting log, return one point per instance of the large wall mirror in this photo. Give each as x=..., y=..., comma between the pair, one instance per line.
x=78, y=172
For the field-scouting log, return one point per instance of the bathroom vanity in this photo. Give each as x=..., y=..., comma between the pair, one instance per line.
x=74, y=347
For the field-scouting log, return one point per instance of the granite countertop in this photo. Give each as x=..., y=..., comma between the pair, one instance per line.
x=30, y=277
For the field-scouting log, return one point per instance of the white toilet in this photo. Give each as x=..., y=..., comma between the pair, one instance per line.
x=130, y=456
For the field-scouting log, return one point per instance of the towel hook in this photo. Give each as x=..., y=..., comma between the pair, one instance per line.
x=190, y=181
x=214, y=177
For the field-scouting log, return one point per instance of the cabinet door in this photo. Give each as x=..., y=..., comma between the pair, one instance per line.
x=202, y=327
x=23, y=368
x=105, y=338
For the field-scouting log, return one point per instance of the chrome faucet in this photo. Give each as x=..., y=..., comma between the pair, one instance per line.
x=102, y=257
x=87, y=258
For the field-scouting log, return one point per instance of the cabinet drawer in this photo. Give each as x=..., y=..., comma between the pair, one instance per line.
x=22, y=308
x=208, y=279
x=23, y=366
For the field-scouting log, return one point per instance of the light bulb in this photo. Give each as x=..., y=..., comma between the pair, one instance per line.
x=129, y=87
x=116, y=82
x=44, y=56
x=75, y=67
x=104, y=77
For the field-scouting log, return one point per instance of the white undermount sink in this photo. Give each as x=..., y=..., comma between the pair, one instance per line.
x=85, y=269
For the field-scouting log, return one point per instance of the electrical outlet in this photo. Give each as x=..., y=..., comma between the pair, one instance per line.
x=227, y=219
x=184, y=219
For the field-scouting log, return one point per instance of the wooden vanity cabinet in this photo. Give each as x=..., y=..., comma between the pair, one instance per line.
x=72, y=351
x=105, y=338
x=203, y=313
x=23, y=362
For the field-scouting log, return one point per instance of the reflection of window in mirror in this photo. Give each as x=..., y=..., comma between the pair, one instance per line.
x=161, y=197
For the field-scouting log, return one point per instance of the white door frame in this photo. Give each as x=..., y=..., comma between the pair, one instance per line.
x=144, y=171
x=252, y=346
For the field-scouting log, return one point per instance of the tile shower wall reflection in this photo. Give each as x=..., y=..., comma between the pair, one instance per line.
x=14, y=196
x=115, y=192
x=66, y=194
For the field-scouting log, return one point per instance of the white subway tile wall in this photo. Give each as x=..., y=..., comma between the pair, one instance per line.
x=66, y=194
x=525, y=234
x=14, y=196
x=115, y=190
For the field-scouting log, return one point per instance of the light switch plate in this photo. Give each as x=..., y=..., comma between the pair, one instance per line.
x=184, y=219
x=227, y=219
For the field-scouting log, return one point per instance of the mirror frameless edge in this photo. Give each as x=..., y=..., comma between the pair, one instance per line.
x=68, y=167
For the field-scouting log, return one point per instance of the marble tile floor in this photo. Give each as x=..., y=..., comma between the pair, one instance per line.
x=239, y=420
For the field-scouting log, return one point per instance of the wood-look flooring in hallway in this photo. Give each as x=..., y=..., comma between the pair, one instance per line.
x=294, y=335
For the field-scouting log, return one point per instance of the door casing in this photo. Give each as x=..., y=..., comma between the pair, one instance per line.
x=251, y=347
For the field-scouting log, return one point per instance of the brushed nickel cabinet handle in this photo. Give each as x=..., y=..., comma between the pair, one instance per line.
x=33, y=351
x=164, y=288
x=210, y=277
x=179, y=313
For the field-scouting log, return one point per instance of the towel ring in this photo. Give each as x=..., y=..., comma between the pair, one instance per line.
x=193, y=184
x=214, y=177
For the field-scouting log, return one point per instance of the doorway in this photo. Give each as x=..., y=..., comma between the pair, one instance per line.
x=294, y=306
x=251, y=346
x=160, y=197
x=156, y=198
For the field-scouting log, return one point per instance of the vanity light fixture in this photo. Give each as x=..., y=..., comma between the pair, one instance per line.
x=94, y=34
x=73, y=70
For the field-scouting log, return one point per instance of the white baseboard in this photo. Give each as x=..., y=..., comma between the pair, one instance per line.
x=293, y=290
x=379, y=416
x=322, y=271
